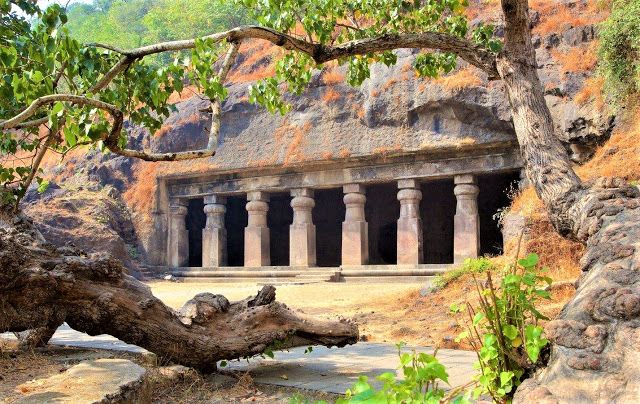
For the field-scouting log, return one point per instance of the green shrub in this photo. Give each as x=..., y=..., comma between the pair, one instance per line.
x=619, y=51
x=469, y=266
x=504, y=329
x=422, y=373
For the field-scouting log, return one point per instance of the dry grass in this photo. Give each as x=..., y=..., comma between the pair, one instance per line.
x=332, y=76
x=593, y=92
x=463, y=78
x=559, y=254
x=330, y=95
x=559, y=17
x=620, y=156
x=577, y=59
x=140, y=195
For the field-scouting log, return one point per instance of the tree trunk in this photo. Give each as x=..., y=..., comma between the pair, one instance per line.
x=41, y=287
x=596, y=350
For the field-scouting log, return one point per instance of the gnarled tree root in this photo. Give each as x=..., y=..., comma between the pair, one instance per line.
x=41, y=287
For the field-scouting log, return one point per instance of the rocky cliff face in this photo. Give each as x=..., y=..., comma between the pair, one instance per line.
x=393, y=112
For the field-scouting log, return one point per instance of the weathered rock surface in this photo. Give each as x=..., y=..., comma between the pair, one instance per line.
x=94, y=381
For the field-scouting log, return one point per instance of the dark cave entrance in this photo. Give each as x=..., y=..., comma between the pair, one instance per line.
x=235, y=220
x=279, y=218
x=328, y=215
x=495, y=190
x=382, y=210
x=195, y=221
x=437, y=209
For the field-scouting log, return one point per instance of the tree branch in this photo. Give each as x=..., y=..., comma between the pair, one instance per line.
x=472, y=53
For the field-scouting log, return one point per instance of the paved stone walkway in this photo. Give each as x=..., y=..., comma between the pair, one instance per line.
x=324, y=369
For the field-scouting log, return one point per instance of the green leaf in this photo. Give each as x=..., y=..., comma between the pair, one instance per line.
x=529, y=261
x=57, y=108
x=510, y=331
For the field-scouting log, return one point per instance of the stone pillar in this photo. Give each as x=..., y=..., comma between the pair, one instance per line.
x=302, y=232
x=410, y=247
x=214, y=234
x=256, y=234
x=466, y=231
x=178, y=238
x=355, y=231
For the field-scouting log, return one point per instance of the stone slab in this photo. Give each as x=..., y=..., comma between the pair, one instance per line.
x=93, y=381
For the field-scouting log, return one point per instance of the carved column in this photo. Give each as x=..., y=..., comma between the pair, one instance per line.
x=178, y=238
x=302, y=232
x=214, y=234
x=466, y=239
x=410, y=247
x=256, y=234
x=355, y=231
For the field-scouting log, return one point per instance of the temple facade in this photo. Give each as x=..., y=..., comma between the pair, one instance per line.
x=405, y=210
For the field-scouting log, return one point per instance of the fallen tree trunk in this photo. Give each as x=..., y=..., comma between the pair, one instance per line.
x=41, y=287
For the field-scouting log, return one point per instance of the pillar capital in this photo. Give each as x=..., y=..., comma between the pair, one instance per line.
x=354, y=189
x=178, y=206
x=466, y=191
x=308, y=192
x=464, y=179
x=409, y=183
x=215, y=200
x=258, y=196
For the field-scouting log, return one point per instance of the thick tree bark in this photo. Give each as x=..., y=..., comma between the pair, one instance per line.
x=41, y=287
x=596, y=351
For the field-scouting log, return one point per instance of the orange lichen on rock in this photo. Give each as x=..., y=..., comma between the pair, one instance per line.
x=332, y=76
x=463, y=78
x=258, y=62
x=330, y=95
x=344, y=153
x=294, y=152
x=577, y=59
x=390, y=83
x=559, y=17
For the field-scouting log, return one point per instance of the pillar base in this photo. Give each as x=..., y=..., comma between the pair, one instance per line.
x=302, y=245
x=214, y=247
x=355, y=243
x=409, y=241
x=256, y=247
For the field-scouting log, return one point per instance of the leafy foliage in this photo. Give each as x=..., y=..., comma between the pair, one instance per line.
x=422, y=373
x=339, y=21
x=619, y=51
x=504, y=329
x=42, y=58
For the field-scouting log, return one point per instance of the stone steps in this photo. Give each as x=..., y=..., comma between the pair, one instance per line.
x=302, y=275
